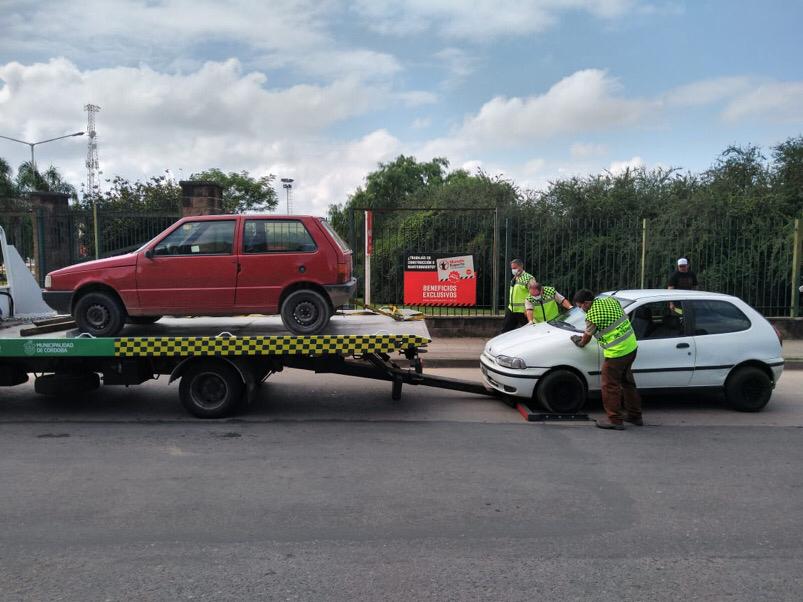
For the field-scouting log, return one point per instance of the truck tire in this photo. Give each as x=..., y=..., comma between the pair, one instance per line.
x=211, y=389
x=100, y=314
x=305, y=311
x=561, y=392
x=748, y=389
x=143, y=320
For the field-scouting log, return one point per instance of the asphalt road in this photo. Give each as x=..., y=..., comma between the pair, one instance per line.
x=326, y=489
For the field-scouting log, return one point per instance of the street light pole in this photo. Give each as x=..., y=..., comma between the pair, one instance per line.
x=287, y=184
x=33, y=144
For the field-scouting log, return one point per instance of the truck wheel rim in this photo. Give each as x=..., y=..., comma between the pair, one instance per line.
x=98, y=316
x=209, y=391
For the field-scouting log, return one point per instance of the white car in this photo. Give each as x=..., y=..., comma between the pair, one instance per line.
x=687, y=340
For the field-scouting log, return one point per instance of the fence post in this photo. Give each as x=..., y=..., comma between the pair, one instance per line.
x=41, y=265
x=369, y=250
x=643, y=250
x=796, y=257
x=495, y=264
x=96, y=229
x=507, y=257
x=352, y=232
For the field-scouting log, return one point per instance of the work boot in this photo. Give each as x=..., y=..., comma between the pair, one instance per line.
x=639, y=421
x=604, y=423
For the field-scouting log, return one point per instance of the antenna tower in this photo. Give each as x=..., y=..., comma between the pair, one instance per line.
x=92, y=163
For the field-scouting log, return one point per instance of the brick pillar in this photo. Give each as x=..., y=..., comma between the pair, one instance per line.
x=201, y=198
x=52, y=234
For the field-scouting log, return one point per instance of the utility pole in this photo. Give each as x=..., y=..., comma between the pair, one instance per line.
x=92, y=163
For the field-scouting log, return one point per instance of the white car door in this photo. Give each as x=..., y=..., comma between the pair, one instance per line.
x=666, y=351
x=721, y=337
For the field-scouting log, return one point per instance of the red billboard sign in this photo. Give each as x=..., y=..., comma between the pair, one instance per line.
x=440, y=280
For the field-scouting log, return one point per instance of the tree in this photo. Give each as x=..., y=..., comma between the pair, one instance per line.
x=8, y=189
x=155, y=195
x=242, y=192
x=788, y=174
x=30, y=179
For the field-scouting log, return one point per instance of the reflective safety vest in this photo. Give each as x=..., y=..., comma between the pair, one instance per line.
x=614, y=333
x=545, y=308
x=519, y=292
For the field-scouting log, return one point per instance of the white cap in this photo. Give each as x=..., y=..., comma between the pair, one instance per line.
x=683, y=261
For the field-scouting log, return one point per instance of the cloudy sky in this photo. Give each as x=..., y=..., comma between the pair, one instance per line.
x=322, y=90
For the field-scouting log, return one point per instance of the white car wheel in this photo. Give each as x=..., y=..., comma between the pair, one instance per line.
x=561, y=392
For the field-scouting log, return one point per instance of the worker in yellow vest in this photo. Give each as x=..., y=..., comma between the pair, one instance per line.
x=543, y=303
x=514, y=314
x=607, y=321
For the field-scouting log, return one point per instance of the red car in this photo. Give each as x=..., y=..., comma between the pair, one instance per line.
x=216, y=265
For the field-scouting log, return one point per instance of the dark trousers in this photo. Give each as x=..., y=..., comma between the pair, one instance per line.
x=512, y=321
x=619, y=388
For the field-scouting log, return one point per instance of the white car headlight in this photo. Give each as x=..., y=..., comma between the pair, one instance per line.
x=511, y=362
x=48, y=281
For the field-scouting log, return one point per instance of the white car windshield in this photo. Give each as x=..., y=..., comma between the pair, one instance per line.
x=575, y=318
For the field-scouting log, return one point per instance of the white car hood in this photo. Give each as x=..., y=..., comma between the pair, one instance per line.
x=532, y=342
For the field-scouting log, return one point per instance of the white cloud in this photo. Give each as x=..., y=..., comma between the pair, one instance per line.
x=416, y=98
x=743, y=97
x=775, y=101
x=472, y=166
x=534, y=166
x=707, y=91
x=619, y=167
x=281, y=33
x=421, y=123
x=458, y=63
x=480, y=19
x=327, y=172
x=585, y=101
x=218, y=116
x=585, y=150
x=219, y=98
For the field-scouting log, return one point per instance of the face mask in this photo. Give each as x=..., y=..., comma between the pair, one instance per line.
x=515, y=272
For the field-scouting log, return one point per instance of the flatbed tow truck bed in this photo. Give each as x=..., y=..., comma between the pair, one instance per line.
x=220, y=361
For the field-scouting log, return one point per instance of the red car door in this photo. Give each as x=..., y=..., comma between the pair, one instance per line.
x=275, y=253
x=192, y=270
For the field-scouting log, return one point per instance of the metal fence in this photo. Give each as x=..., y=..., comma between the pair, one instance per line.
x=78, y=235
x=116, y=232
x=757, y=259
x=754, y=259
x=750, y=259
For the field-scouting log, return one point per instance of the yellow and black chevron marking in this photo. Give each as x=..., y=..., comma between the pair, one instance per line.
x=264, y=345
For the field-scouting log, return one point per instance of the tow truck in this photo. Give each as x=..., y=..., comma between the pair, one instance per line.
x=220, y=362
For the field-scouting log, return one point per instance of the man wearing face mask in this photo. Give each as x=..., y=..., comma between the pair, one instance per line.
x=514, y=314
x=541, y=305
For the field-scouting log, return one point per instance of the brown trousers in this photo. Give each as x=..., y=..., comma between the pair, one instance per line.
x=619, y=388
